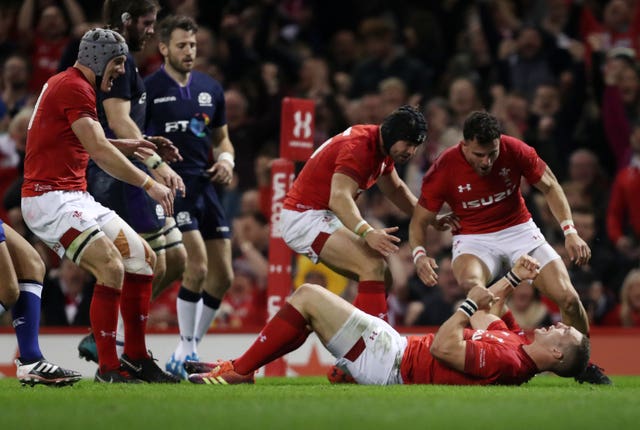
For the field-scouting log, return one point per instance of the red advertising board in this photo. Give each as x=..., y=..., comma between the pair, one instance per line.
x=296, y=129
x=279, y=278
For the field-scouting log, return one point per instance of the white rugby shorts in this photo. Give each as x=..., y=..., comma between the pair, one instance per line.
x=370, y=349
x=500, y=250
x=58, y=217
x=301, y=230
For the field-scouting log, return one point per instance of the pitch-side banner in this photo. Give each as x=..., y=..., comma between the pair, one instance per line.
x=279, y=279
x=296, y=129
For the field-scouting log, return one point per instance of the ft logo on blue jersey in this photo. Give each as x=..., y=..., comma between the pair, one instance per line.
x=197, y=125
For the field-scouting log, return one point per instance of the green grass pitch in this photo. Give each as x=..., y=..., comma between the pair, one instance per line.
x=547, y=402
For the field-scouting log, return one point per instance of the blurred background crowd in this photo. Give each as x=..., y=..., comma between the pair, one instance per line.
x=563, y=75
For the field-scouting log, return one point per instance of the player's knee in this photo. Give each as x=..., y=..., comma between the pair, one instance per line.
x=177, y=258
x=111, y=271
x=303, y=294
x=9, y=294
x=32, y=267
x=468, y=284
x=569, y=301
x=374, y=266
x=196, y=273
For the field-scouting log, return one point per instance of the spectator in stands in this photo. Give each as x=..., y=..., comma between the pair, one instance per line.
x=527, y=308
x=17, y=135
x=251, y=239
x=15, y=92
x=435, y=306
x=50, y=37
x=384, y=59
x=244, y=304
x=623, y=213
x=627, y=312
x=66, y=296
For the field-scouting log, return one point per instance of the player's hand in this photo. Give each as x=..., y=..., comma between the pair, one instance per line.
x=426, y=270
x=383, y=241
x=163, y=195
x=578, y=250
x=167, y=176
x=447, y=221
x=129, y=147
x=482, y=297
x=165, y=149
x=221, y=172
x=526, y=268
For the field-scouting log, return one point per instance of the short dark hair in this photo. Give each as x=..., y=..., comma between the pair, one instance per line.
x=113, y=10
x=575, y=359
x=171, y=22
x=405, y=123
x=481, y=126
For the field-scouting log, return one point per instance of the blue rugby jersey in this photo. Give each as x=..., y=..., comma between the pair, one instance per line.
x=185, y=115
x=129, y=86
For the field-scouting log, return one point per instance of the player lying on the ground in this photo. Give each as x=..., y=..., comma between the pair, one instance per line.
x=493, y=351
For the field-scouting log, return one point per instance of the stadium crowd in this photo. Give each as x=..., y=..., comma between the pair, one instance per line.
x=562, y=75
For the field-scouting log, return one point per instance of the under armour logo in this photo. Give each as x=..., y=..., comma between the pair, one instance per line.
x=144, y=317
x=302, y=125
x=464, y=188
x=262, y=338
x=374, y=334
x=504, y=172
x=108, y=334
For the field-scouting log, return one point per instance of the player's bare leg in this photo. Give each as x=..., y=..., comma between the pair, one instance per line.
x=349, y=254
x=553, y=281
x=470, y=271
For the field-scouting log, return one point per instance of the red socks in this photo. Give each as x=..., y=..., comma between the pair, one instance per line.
x=103, y=314
x=286, y=331
x=134, y=307
x=372, y=299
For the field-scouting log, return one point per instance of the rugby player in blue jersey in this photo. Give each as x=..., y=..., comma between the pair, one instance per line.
x=188, y=108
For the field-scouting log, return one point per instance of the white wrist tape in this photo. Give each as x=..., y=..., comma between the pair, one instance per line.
x=153, y=162
x=568, y=227
x=227, y=156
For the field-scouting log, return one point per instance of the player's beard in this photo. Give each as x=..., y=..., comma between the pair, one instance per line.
x=179, y=66
x=135, y=42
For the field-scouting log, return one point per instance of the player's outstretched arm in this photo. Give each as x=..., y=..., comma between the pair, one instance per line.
x=578, y=250
x=342, y=203
x=112, y=161
x=397, y=192
x=425, y=265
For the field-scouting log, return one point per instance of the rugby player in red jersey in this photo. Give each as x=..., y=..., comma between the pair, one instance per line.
x=493, y=225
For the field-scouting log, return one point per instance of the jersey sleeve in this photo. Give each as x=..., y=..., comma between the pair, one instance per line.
x=78, y=102
x=431, y=196
x=220, y=109
x=348, y=164
x=532, y=165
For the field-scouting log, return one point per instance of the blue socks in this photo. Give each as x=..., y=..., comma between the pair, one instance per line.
x=26, y=321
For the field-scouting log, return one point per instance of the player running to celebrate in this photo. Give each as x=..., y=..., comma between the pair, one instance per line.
x=493, y=351
x=494, y=226
x=188, y=107
x=320, y=218
x=63, y=133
